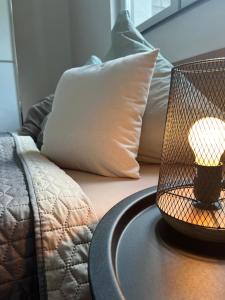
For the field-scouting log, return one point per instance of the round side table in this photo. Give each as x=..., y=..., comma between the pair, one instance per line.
x=135, y=255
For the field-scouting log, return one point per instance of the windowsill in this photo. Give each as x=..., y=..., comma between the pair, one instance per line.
x=159, y=19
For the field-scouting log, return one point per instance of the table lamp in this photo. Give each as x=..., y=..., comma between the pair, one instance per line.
x=191, y=189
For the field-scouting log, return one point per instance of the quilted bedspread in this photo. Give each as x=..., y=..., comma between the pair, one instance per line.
x=46, y=225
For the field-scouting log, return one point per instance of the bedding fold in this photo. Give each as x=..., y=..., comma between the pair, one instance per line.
x=46, y=225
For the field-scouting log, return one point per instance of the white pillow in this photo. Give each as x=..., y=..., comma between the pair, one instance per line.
x=96, y=118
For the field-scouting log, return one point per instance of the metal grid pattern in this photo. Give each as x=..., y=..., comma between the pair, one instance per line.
x=197, y=96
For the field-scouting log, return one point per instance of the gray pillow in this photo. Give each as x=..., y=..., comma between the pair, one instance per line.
x=126, y=40
x=33, y=123
x=40, y=136
x=36, y=119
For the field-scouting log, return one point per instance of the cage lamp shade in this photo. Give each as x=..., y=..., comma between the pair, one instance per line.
x=191, y=189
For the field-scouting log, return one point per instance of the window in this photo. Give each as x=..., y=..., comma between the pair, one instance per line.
x=9, y=109
x=146, y=13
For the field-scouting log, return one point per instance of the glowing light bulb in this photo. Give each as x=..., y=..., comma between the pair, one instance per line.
x=207, y=140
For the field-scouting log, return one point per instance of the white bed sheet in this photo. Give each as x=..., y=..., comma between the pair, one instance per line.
x=105, y=192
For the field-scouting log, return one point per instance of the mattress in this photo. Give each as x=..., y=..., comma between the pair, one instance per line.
x=105, y=192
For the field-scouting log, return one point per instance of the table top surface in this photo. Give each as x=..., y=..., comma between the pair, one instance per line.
x=150, y=260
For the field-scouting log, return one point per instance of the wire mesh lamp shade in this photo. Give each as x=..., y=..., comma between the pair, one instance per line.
x=191, y=189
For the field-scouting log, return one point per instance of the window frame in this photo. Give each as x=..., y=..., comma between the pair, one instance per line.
x=175, y=7
x=185, y=3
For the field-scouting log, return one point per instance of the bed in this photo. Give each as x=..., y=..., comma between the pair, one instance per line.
x=105, y=192
x=104, y=118
x=48, y=217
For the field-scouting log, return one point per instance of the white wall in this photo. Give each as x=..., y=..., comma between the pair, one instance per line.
x=198, y=29
x=90, y=29
x=43, y=44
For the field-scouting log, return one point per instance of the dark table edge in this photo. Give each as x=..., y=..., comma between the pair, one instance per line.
x=101, y=267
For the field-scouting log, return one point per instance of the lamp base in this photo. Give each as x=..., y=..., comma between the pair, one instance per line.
x=195, y=231
x=193, y=218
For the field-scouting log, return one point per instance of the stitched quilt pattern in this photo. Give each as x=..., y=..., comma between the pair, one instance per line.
x=67, y=222
x=18, y=269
